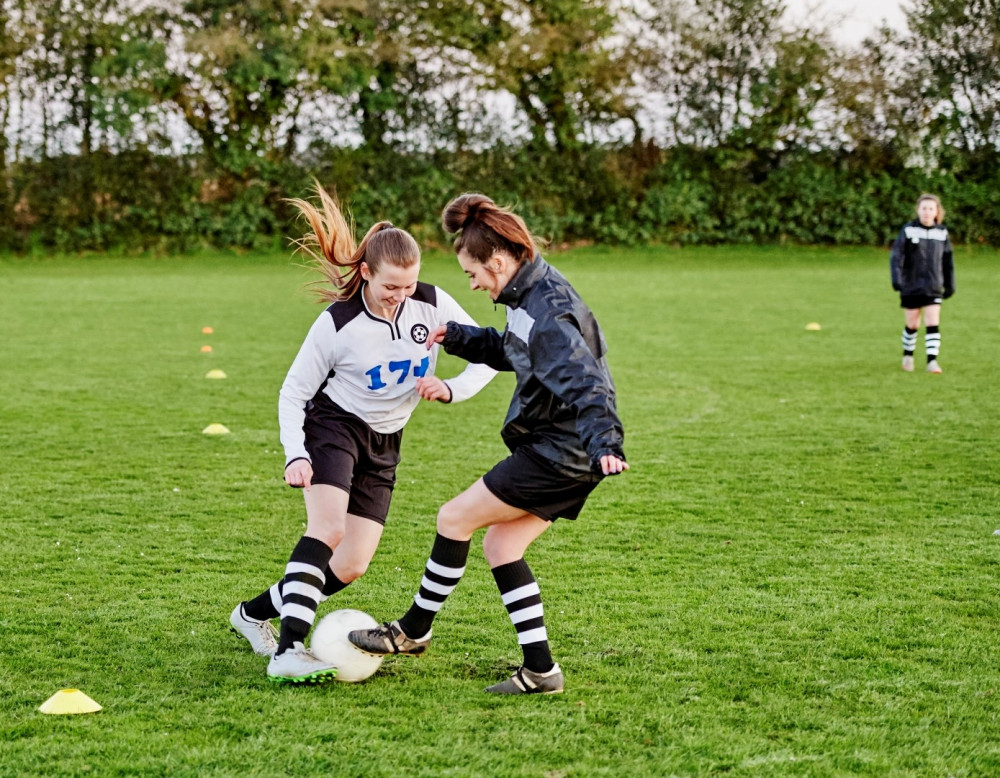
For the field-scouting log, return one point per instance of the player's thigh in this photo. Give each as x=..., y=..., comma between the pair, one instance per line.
x=473, y=509
x=912, y=318
x=507, y=542
x=932, y=315
x=354, y=553
x=326, y=513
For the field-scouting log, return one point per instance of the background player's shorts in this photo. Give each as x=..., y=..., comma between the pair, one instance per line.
x=914, y=301
x=350, y=455
x=528, y=481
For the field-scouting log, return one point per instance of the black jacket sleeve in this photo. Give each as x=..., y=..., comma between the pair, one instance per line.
x=565, y=365
x=896, y=256
x=948, y=270
x=482, y=345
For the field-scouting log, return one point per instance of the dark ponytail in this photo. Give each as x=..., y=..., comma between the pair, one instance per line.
x=485, y=228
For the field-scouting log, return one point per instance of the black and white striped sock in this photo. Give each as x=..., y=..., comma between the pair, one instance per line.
x=932, y=341
x=444, y=570
x=523, y=600
x=267, y=605
x=909, y=341
x=302, y=590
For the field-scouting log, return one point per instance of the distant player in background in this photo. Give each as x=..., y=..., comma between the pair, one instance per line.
x=358, y=376
x=923, y=272
x=562, y=429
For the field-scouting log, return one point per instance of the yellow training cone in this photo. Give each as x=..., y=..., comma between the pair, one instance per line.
x=215, y=374
x=813, y=325
x=206, y=349
x=216, y=429
x=207, y=330
x=69, y=701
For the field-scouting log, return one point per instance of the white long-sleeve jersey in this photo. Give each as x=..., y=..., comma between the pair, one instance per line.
x=369, y=366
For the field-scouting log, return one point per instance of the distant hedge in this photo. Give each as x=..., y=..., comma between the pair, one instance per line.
x=139, y=201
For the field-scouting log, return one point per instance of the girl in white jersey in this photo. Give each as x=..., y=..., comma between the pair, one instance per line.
x=358, y=376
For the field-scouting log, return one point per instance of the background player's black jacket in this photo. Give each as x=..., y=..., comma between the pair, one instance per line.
x=921, y=264
x=564, y=402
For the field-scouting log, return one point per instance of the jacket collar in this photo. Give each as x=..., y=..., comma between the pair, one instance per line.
x=523, y=280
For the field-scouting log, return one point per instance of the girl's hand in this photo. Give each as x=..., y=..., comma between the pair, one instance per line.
x=612, y=465
x=433, y=388
x=299, y=474
x=436, y=336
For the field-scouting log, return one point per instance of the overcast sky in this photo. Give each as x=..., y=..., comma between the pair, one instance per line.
x=850, y=20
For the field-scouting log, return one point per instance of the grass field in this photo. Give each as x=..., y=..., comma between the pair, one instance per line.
x=799, y=576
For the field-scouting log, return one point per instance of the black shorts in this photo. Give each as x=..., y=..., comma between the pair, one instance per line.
x=528, y=481
x=914, y=301
x=350, y=455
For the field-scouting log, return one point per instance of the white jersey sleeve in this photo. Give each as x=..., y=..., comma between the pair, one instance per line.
x=312, y=366
x=369, y=366
x=475, y=376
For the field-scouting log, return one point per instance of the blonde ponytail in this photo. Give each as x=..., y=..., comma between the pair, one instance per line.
x=331, y=247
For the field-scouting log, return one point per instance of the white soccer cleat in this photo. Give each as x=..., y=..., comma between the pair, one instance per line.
x=299, y=665
x=933, y=366
x=908, y=364
x=261, y=635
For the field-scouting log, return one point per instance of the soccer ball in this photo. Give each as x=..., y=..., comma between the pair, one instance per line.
x=329, y=642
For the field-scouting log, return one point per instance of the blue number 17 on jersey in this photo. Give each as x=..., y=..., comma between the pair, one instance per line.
x=402, y=367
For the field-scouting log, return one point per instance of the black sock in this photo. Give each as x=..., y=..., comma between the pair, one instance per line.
x=443, y=572
x=267, y=605
x=302, y=590
x=523, y=600
x=932, y=341
x=332, y=585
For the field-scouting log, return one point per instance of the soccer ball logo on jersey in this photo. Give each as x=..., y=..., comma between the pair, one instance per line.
x=419, y=333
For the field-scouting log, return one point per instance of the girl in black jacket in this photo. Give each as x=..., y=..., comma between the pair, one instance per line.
x=923, y=272
x=562, y=429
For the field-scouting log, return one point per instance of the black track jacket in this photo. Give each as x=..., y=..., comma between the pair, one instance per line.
x=564, y=401
x=921, y=261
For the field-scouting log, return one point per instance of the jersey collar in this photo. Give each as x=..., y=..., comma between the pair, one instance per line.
x=372, y=314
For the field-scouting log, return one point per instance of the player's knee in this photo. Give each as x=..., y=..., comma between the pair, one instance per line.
x=497, y=552
x=329, y=535
x=492, y=549
x=451, y=521
x=352, y=570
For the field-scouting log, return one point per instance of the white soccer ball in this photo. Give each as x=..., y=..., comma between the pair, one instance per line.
x=329, y=642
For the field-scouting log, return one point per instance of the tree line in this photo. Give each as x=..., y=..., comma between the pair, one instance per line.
x=168, y=125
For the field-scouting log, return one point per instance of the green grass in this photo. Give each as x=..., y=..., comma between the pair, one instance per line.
x=797, y=577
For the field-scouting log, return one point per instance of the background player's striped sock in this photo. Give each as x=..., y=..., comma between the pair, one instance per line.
x=443, y=572
x=932, y=342
x=909, y=341
x=523, y=600
x=302, y=590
